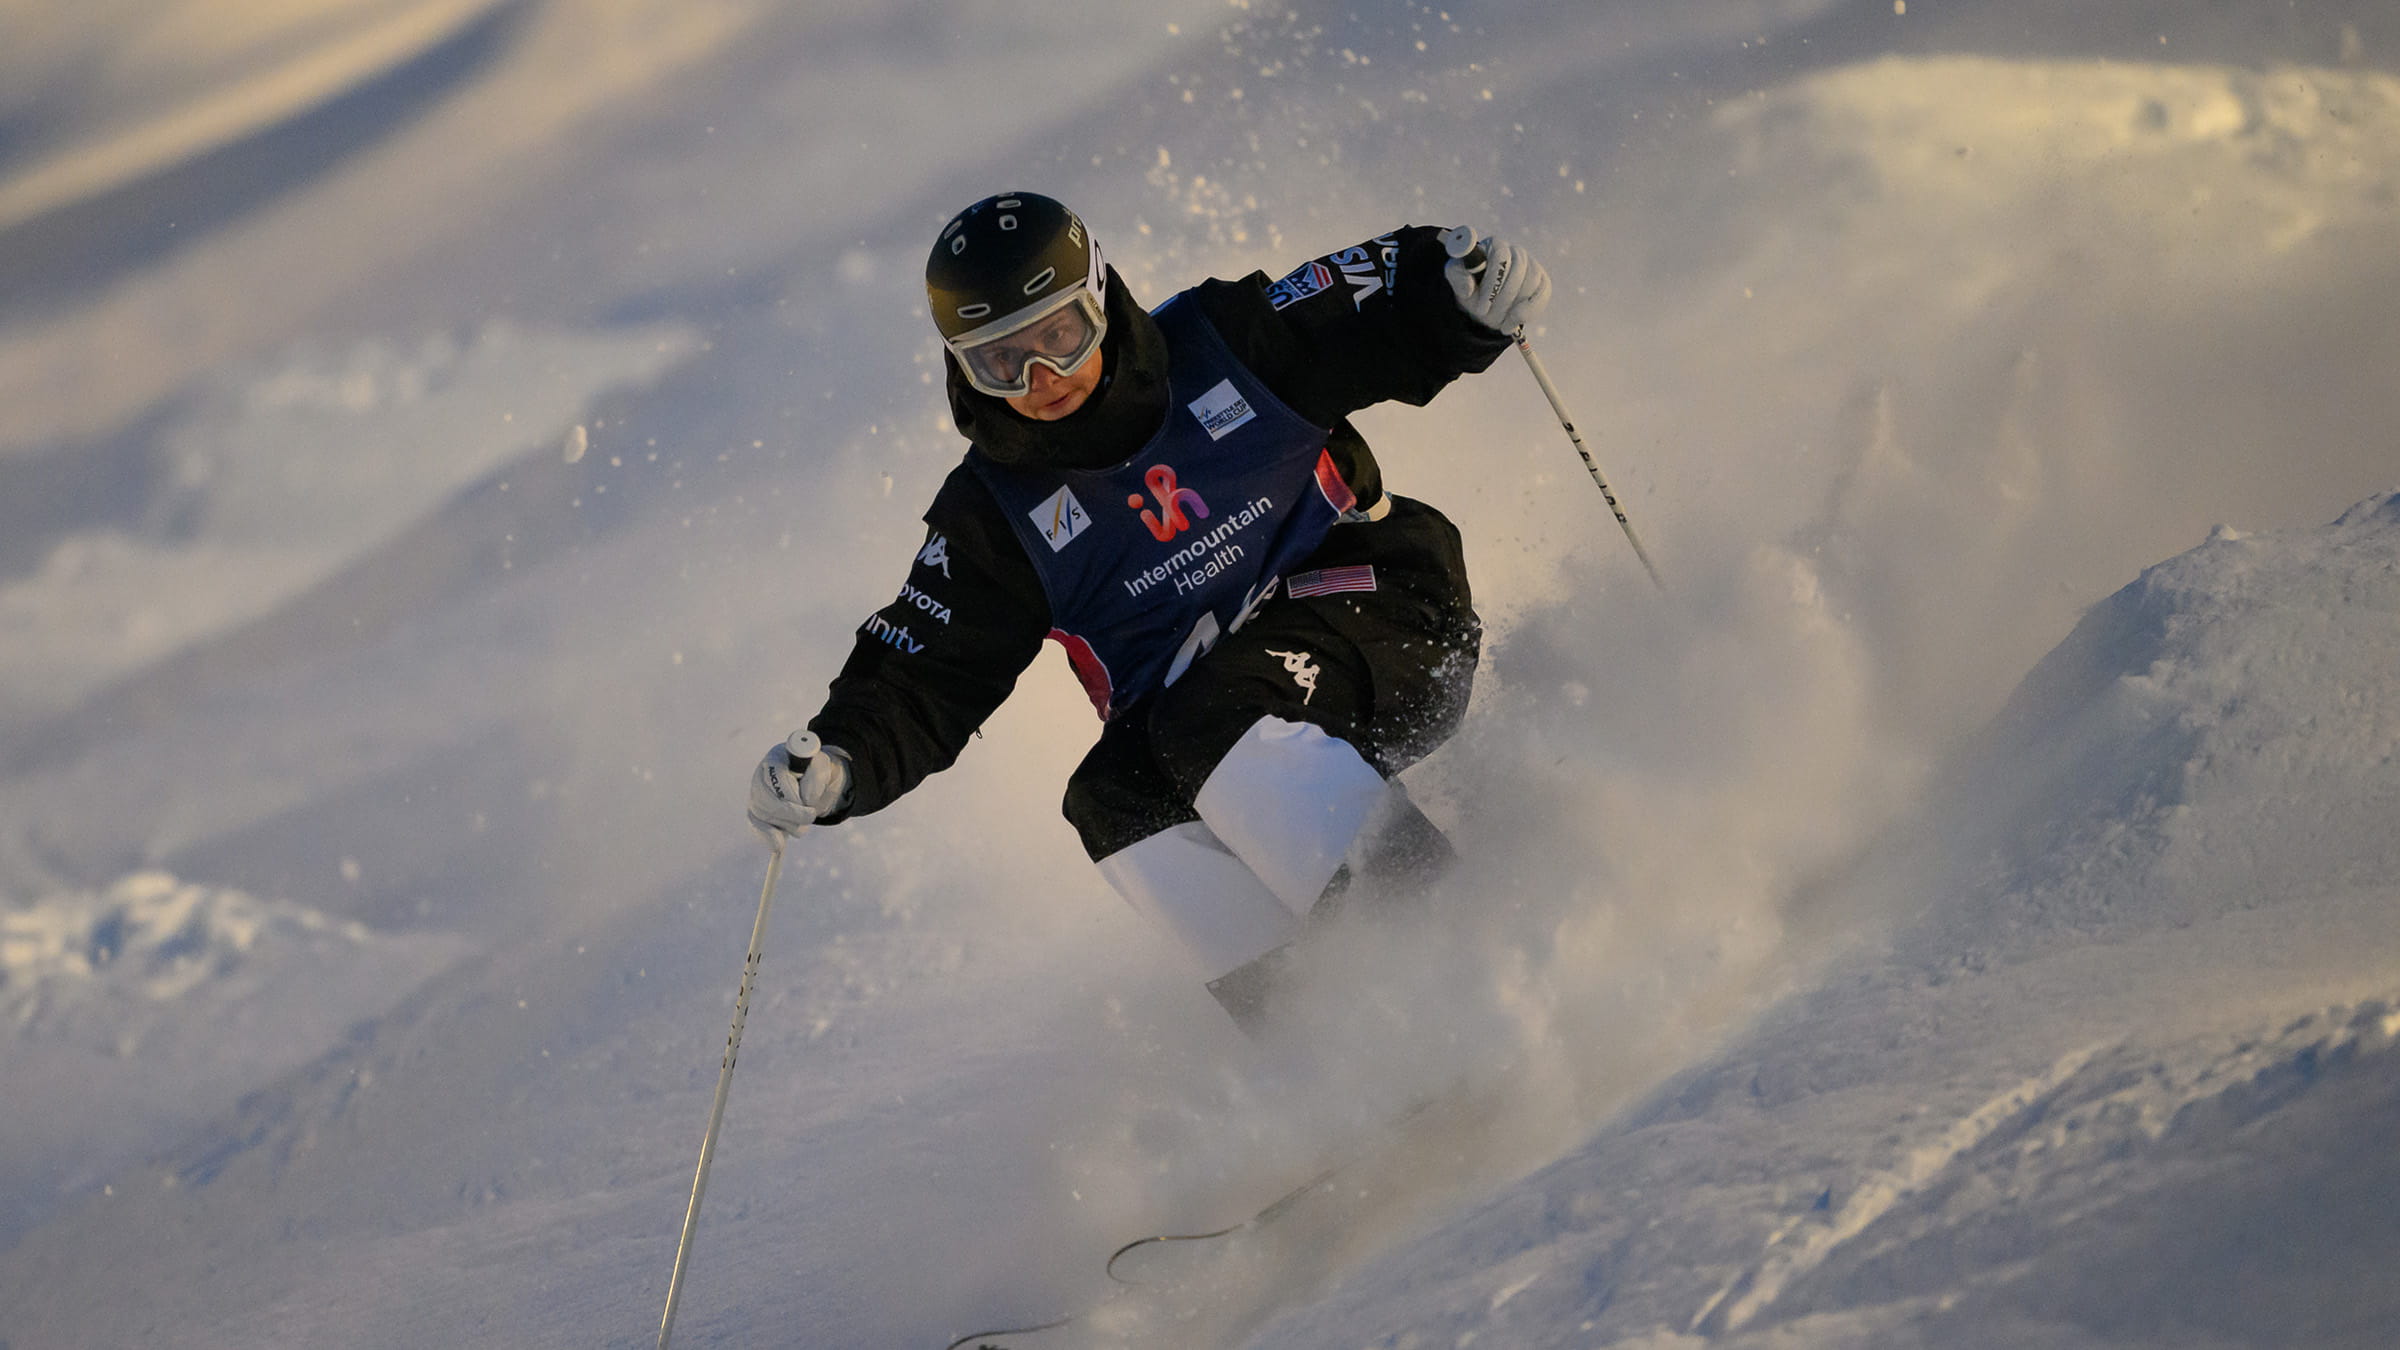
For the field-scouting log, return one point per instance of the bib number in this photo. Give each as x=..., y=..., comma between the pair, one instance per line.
x=1207, y=630
x=1203, y=636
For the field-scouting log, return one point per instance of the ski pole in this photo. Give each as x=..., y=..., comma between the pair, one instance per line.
x=733, y=1045
x=1558, y=405
x=1459, y=237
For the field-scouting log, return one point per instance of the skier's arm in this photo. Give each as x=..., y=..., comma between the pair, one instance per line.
x=928, y=668
x=1375, y=322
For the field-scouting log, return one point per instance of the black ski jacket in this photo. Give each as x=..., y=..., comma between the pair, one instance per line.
x=1367, y=324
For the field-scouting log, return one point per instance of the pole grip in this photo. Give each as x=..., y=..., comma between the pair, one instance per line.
x=1460, y=243
x=801, y=748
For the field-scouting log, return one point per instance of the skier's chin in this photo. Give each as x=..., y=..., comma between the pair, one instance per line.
x=1054, y=396
x=1051, y=405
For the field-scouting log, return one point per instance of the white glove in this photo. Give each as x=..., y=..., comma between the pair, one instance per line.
x=796, y=782
x=1498, y=284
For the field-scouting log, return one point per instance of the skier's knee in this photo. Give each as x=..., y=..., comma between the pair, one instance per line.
x=1193, y=889
x=1396, y=858
x=1313, y=818
x=1288, y=799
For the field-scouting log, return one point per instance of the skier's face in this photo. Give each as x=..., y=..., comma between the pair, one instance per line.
x=1052, y=395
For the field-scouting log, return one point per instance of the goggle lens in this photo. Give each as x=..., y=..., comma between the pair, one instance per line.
x=1063, y=340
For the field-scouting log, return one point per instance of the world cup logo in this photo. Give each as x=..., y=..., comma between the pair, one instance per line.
x=1169, y=519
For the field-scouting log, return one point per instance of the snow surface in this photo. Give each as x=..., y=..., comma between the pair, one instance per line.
x=133, y=1010
x=2124, y=1073
x=105, y=94
x=423, y=493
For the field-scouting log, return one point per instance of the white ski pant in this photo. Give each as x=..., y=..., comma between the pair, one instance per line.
x=1279, y=815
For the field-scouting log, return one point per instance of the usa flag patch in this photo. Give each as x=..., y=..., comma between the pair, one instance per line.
x=1328, y=580
x=1304, y=282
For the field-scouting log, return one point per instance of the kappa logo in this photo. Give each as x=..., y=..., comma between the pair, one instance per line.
x=1369, y=268
x=1221, y=410
x=1302, y=670
x=1169, y=519
x=1060, y=519
x=936, y=553
x=1308, y=279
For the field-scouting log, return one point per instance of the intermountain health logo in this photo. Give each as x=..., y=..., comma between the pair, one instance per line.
x=1206, y=554
x=1169, y=519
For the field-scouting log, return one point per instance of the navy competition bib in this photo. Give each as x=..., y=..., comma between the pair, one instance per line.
x=1145, y=565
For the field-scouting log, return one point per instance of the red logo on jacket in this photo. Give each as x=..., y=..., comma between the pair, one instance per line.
x=1169, y=519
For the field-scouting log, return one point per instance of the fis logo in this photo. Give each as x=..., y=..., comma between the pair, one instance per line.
x=1060, y=519
x=1169, y=519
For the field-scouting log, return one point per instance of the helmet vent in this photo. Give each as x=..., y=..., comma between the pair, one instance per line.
x=974, y=311
x=1047, y=275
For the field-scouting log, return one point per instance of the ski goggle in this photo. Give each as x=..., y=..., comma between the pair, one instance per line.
x=999, y=359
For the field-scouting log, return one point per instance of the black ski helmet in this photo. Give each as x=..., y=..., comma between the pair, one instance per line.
x=1006, y=255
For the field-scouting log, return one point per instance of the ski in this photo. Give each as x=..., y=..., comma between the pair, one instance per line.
x=1266, y=1215
x=1263, y=1217
x=992, y=1340
x=982, y=1340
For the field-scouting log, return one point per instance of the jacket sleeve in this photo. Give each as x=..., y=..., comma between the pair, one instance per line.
x=929, y=667
x=1367, y=324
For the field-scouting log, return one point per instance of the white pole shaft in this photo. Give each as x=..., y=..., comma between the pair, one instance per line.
x=1559, y=405
x=716, y=1113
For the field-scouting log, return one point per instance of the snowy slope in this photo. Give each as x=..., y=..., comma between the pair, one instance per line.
x=2128, y=1077
x=134, y=1011
x=1906, y=338
x=103, y=94
x=282, y=476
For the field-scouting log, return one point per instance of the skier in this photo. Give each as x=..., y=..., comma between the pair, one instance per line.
x=1176, y=498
